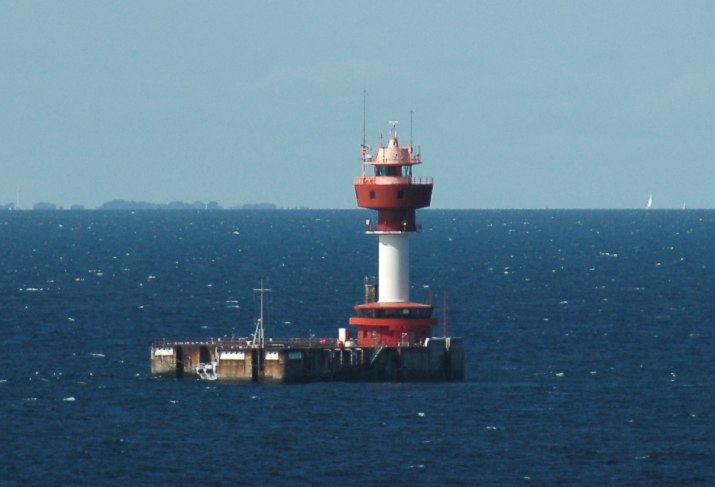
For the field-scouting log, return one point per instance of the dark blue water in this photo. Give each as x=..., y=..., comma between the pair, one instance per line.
x=589, y=335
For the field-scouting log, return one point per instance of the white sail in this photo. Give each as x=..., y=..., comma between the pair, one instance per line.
x=649, y=205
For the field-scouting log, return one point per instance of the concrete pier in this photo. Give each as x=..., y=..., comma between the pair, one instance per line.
x=300, y=361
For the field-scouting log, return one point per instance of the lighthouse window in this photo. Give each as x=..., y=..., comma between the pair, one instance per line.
x=386, y=171
x=372, y=195
x=419, y=313
x=400, y=194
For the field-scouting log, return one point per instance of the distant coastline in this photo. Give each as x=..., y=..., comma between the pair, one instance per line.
x=118, y=204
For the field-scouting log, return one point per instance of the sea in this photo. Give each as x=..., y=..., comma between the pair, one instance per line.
x=589, y=349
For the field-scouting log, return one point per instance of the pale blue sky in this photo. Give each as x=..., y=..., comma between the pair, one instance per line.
x=517, y=104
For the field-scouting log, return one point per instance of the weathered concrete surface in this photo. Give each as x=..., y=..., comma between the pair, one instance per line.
x=439, y=359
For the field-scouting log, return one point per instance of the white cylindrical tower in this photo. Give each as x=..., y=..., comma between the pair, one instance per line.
x=394, y=268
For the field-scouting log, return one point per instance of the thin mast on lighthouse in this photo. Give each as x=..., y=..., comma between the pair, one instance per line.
x=393, y=319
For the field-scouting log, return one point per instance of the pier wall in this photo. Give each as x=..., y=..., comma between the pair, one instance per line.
x=440, y=359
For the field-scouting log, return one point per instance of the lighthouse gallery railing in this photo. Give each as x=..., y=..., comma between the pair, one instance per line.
x=394, y=180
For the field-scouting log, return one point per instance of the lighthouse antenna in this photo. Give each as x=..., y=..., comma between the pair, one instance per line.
x=364, y=116
x=411, y=114
x=363, y=147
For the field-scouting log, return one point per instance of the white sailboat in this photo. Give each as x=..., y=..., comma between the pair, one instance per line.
x=649, y=205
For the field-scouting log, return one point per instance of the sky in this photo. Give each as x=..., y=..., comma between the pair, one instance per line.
x=517, y=104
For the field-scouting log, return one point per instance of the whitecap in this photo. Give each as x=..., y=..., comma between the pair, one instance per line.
x=559, y=374
x=69, y=399
x=421, y=414
x=93, y=354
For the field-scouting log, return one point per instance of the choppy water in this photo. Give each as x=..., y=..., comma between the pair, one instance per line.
x=589, y=342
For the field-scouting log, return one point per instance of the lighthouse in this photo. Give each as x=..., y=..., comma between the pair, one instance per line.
x=394, y=334
x=388, y=317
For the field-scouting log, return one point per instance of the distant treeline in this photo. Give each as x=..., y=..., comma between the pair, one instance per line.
x=180, y=205
x=145, y=205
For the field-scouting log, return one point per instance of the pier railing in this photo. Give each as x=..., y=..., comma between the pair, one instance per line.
x=246, y=343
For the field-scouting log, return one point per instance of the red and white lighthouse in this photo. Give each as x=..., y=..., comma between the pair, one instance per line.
x=388, y=317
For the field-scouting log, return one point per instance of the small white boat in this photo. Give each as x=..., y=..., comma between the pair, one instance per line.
x=207, y=371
